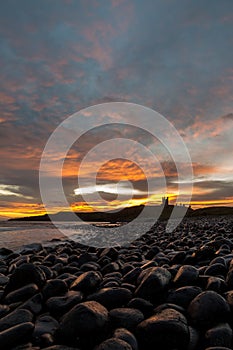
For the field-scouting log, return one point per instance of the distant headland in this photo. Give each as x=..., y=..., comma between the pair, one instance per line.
x=130, y=213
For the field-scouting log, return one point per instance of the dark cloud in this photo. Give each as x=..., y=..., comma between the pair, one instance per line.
x=58, y=56
x=228, y=117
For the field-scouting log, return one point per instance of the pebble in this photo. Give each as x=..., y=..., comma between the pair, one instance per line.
x=186, y=275
x=88, y=319
x=112, y=298
x=208, y=308
x=21, y=294
x=143, y=305
x=87, y=282
x=220, y=335
x=128, y=337
x=114, y=344
x=25, y=274
x=45, y=324
x=183, y=296
x=14, y=318
x=125, y=318
x=153, y=283
x=166, y=330
x=163, y=291
x=16, y=335
x=53, y=288
x=58, y=306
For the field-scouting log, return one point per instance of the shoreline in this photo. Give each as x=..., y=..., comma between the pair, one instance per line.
x=162, y=290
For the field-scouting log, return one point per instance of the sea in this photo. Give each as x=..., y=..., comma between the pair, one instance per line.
x=17, y=234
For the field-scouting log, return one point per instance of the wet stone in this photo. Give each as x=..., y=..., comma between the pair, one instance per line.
x=220, y=335
x=34, y=304
x=183, y=296
x=23, y=275
x=16, y=335
x=88, y=319
x=153, y=283
x=131, y=276
x=58, y=306
x=216, y=269
x=87, y=282
x=112, y=297
x=167, y=330
x=114, y=344
x=14, y=318
x=216, y=284
x=44, y=324
x=21, y=294
x=3, y=279
x=125, y=318
x=208, y=309
x=128, y=337
x=143, y=305
x=4, y=309
x=60, y=347
x=186, y=275
x=55, y=287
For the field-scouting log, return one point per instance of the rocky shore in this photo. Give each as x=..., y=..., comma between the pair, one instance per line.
x=168, y=291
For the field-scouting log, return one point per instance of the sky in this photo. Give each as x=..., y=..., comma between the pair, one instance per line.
x=60, y=56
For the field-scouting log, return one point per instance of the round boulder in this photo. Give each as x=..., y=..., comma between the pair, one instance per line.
x=114, y=344
x=166, y=330
x=84, y=320
x=208, y=309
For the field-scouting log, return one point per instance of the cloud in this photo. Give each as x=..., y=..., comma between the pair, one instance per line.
x=228, y=117
x=175, y=57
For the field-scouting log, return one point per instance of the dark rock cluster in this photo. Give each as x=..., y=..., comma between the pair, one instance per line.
x=170, y=291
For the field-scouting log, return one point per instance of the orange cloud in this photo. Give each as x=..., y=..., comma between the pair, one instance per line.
x=120, y=170
x=203, y=129
x=19, y=209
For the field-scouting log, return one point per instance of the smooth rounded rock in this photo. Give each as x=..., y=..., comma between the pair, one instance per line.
x=114, y=344
x=25, y=346
x=187, y=275
x=143, y=305
x=112, y=298
x=229, y=299
x=87, y=282
x=4, y=309
x=153, y=284
x=208, y=309
x=218, y=348
x=87, y=319
x=127, y=336
x=55, y=287
x=14, y=318
x=183, y=295
x=44, y=324
x=216, y=284
x=125, y=318
x=3, y=279
x=60, y=347
x=16, y=335
x=34, y=304
x=229, y=279
x=132, y=275
x=23, y=275
x=21, y=294
x=111, y=267
x=166, y=330
x=220, y=335
x=216, y=269
x=58, y=306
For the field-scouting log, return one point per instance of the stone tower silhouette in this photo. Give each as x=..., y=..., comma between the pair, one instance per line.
x=165, y=201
